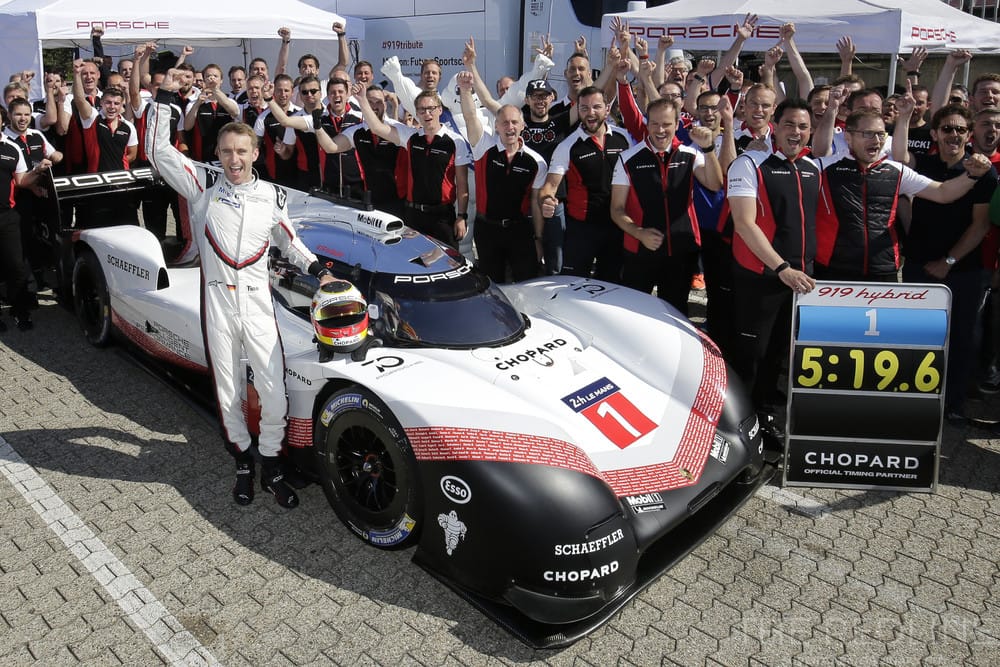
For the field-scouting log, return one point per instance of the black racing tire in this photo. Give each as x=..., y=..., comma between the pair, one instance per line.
x=368, y=470
x=91, y=302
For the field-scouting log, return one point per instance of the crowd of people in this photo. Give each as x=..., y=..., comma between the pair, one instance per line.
x=659, y=173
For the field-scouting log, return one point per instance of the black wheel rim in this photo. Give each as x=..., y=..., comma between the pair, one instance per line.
x=366, y=473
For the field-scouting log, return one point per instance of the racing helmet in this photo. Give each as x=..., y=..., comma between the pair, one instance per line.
x=340, y=317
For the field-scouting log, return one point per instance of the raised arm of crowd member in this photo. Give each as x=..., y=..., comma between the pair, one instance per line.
x=847, y=51
x=768, y=74
x=942, y=89
x=473, y=126
x=702, y=71
x=803, y=79
x=377, y=126
x=607, y=81
x=901, y=131
x=343, y=53
x=54, y=107
x=727, y=144
x=80, y=103
x=663, y=45
x=647, y=73
x=286, y=39
x=405, y=89
x=543, y=64
x=482, y=90
x=96, y=32
x=822, y=139
x=632, y=117
x=620, y=31
x=911, y=64
x=743, y=33
x=186, y=52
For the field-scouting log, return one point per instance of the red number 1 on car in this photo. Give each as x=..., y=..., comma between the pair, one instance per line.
x=619, y=420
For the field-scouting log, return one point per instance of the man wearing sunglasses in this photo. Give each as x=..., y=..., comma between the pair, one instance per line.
x=857, y=229
x=944, y=238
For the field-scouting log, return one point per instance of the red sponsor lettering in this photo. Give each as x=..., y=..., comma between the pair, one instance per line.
x=724, y=30
x=137, y=24
x=933, y=34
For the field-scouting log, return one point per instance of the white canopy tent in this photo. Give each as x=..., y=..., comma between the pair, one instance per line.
x=226, y=32
x=876, y=26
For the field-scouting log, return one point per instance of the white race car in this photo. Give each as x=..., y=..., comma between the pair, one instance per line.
x=550, y=447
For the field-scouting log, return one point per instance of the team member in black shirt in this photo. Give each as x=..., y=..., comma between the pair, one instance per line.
x=12, y=172
x=437, y=182
x=586, y=159
x=508, y=176
x=651, y=201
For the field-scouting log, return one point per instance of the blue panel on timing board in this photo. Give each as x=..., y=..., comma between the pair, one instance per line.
x=873, y=326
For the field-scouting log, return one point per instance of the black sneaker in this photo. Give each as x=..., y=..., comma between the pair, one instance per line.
x=989, y=387
x=24, y=322
x=272, y=479
x=243, y=489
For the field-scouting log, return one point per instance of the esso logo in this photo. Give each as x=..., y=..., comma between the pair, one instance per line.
x=456, y=490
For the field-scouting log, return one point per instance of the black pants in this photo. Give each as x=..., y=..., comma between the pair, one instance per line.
x=671, y=275
x=826, y=273
x=763, y=318
x=438, y=223
x=12, y=263
x=155, y=203
x=587, y=243
x=500, y=244
x=965, y=297
x=717, y=260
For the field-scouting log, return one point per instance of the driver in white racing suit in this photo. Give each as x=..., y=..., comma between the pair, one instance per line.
x=235, y=219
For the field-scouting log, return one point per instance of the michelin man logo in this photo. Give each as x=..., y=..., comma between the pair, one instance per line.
x=454, y=530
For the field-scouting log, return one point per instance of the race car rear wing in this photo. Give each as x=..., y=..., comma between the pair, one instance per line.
x=75, y=189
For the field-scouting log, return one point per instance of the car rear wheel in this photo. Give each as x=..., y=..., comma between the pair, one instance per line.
x=368, y=470
x=90, y=299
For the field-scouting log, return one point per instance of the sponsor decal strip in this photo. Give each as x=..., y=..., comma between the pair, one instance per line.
x=442, y=443
x=151, y=346
x=300, y=432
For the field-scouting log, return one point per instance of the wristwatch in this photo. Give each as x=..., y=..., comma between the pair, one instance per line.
x=463, y=216
x=950, y=261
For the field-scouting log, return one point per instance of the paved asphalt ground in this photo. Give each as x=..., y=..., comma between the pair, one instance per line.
x=119, y=544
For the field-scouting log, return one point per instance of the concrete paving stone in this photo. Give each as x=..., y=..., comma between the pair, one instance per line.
x=969, y=596
x=652, y=646
x=701, y=592
x=799, y=566
x=719, y=620
x=724, y=568
x=676, y=617
x=687, y=570
x=834, y=569
x=760, y=569
x=688, y=650
x=870, y=569
x=983, y=571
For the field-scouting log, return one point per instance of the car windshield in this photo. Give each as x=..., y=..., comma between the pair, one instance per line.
x=474, y=313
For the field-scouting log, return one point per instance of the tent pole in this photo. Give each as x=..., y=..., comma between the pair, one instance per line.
x=892, y=73
x=243, y=43
x=965, y=73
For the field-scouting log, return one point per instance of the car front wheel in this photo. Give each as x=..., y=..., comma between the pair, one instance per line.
x=368, y=470
x=90, y=299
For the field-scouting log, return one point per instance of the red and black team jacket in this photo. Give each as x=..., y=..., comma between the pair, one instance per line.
x=588, y=177
x=856, y=222
x=787, y=196
x=503, y=189
x=660, y=196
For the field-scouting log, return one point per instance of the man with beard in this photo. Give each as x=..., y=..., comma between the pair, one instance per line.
x=651, y=202
x=856, y=228
x=943, y=244
x=509, y=175
x=586, y=159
